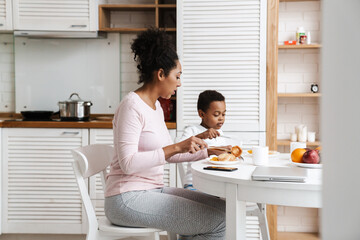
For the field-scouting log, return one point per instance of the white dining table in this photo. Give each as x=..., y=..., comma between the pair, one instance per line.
x=238, y=188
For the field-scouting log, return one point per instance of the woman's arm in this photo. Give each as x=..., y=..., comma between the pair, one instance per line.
x=191, y=149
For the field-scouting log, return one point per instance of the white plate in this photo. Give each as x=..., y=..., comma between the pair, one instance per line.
x=271, y=154
x=237, y=160
x=307, y=165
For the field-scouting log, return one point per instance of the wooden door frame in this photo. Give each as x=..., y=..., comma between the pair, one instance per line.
x=271, y=95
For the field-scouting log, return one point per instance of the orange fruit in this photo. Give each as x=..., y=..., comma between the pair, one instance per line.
x=297, y=155
x=250, y=151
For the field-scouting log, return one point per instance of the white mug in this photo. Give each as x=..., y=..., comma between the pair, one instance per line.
x=260, y=155
x=295, y=145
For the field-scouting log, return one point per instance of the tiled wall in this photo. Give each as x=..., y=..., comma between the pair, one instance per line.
x=297, y=70
x=7, y=80
x=129, y=75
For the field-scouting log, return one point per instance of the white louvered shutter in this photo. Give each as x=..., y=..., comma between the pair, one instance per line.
x=40, y=193
x=55, y=15
x=5, y=15
x=105, y=136
x=222, y=46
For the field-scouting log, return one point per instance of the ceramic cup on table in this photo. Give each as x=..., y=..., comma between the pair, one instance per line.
x=260, y=155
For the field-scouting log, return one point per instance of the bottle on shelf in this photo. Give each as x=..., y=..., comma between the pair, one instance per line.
x=300, y=32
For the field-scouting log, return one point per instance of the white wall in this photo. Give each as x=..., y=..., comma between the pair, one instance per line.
x=297, y=70
x=340, y=114
x=7, y=79
x=128, y=70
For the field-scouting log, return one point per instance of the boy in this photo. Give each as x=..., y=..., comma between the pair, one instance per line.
x=211, y=109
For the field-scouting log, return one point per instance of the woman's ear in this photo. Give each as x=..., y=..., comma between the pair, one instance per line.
x=161, y=74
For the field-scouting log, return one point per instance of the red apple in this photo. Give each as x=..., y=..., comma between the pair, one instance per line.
x=311, y=156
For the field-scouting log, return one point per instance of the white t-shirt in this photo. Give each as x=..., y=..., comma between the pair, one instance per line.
x=195, y=130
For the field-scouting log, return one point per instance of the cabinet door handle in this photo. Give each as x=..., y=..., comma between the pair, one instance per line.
x=70, y=133
x=80, y=26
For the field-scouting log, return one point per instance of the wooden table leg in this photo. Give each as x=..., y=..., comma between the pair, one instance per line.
x=235, y=214
x=271, y=212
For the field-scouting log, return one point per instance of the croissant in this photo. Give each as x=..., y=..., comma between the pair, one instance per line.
x=236, y=151
x=225, y=157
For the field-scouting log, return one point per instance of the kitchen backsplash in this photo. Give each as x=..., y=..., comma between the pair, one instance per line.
x=7, y=79
x=128, y=70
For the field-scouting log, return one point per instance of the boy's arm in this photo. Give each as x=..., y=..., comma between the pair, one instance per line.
x=208, y=134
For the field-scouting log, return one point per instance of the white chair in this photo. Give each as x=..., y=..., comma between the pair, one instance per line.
x=88, y=161
x=252, y=209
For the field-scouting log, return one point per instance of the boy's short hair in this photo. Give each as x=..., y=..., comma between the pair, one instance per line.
x=207, y=97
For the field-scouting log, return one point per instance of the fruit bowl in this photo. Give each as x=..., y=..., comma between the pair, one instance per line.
x=307, y=165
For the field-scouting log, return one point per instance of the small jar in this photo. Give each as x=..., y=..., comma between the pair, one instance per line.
x=302, y=136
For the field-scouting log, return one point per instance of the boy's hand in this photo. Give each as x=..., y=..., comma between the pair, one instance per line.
x=219, y=150
x=208, y=134
x=191, y=145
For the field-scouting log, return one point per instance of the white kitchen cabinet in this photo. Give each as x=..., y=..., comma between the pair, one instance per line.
x=105, y=136
x=40, y=194
x=5, y=15
x=55, y=15
x=222, y=46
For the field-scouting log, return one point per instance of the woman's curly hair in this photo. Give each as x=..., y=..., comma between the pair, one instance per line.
x=153, y=50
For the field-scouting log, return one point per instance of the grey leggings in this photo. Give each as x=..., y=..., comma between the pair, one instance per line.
x=175, y=210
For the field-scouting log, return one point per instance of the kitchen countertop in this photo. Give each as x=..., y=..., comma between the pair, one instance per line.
x=18, y=123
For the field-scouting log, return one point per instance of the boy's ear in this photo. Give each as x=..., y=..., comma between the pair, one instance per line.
x=201, y=114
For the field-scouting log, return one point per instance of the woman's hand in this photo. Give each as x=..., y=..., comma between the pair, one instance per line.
x=208, y=134
x=219, y=150
x=191, y=145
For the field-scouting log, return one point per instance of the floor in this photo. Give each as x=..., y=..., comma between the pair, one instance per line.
x=298, y=236
x=281, y=236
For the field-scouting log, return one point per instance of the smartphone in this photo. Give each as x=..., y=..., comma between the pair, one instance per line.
x=226, y=169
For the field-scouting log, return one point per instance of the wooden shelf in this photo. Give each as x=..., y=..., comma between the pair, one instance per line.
x=298, y=0
x=171, y=125
x=132, y=30
x=299, y=94
x=300, y=46
x=166, y=6
x=128, y=7
x=106, y=9
x=287, y=143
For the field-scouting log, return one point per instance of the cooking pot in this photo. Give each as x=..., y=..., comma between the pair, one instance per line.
x=74, y=109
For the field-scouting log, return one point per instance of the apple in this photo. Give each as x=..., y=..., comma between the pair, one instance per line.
x=311, y=156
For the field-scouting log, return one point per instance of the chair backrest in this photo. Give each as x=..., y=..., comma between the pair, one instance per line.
x=93, y=159
x=88, y=161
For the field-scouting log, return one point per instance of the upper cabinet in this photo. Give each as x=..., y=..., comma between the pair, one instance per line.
x=5, y=15
x=54, y=15
x=127, y=18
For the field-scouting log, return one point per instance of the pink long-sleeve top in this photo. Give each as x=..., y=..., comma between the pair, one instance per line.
x=140, y=133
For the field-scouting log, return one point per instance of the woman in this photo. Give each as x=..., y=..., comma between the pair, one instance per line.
x=135, y=193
